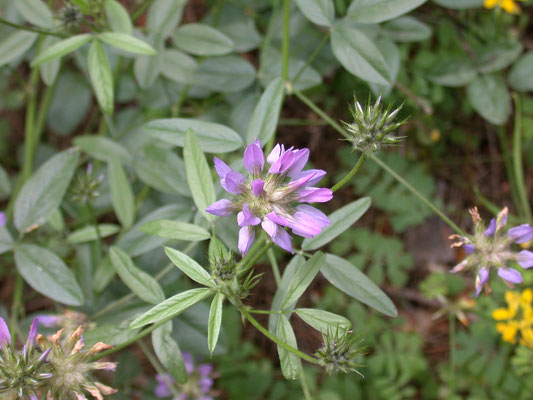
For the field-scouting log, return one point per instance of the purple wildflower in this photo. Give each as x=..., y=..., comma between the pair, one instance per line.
x=5, y=337
x=48, y=321
x=3, y=219
x=491, y=247
x=198, y=384
x=270, y=197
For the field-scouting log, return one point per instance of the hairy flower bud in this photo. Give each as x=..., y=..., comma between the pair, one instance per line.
x=85, y=188
x=340, y=352
x=373, y=127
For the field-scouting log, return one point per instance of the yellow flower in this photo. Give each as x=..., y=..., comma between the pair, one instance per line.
x=517, y=318
x=508, y=6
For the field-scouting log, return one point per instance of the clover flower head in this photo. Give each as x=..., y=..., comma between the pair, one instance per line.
x=24, y=373
x=340, y=352
x=198, y=383
x=86, y=187
x=517, y=318
x=271, y=198
x=373, y=127
x=509, y=6
x=489, y=247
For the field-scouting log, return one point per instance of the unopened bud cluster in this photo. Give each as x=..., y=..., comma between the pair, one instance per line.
x=373, y=127
x=57, y=368
x=340, y=352
x=86, y=187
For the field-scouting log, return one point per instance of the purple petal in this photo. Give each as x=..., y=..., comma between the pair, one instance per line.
x=33, y=332
x=220, y=208
x=283, y=240
x=205, y=369
x=48, y=321
x=43, y=356
x=33, y=397
x=307, y=225
x=221, y=167
x=275, y=154
x=254, y=159
x=3, y=218
x=246, y=238
x=481, y=279
x=257, y=187
x=520, y=234
x=162, y=390
x=510, y=275
x=246, y=217
x=205, y=384
x=491, y=230
x=317, y=175
x=232, y=182
x=188, y=362
x=315, y=213
x=525, y=259
x=5, y=337
x=269, y=227
x=89, y=168
x=277, y=218
x=315, y=195
x=300, y=183
x=469, y=248
x=300, y=159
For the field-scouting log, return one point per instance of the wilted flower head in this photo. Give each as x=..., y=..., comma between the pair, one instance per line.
x=340, y=352
x=373, y=127
x=198, y=383
x=490, y=247
x=271, y=198
x=69, y=16
x=517, y=318
x=24, y=374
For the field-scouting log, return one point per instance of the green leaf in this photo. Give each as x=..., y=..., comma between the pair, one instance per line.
x=5, y=184
x=138, y=281
x=89, y=233
x=189, y=267
x=291, y=366
x=50, y=69
x=161, y=169
x=341, y=220
x=459, y=4
x=168, y=352
x=202, y=40
x=213, y=138
x=375, y=11
x=112, y=334
x=178, y=67
x=147, y=68
x=163, y=16
x=127, y=42
x=47, y=273
x=520, y=77
x=103, y=149
x=490, y=98
x=226, y=74
x=497, y=56
x=198, y=175
x=101, y=76
x=215, y=319
x=302, y=279
x=358, y=54
x=61, y=48
x=320, y=12
x=453, y=72
x=121, y=194
x=406, y=29
x=35, y=12
x=170, y=229
x=43, y=192
x=6, y=241
x=15, y=45
x=344, y=276
x=266, y=114
x=324, y=321
x=171, y=307
x=118, y=17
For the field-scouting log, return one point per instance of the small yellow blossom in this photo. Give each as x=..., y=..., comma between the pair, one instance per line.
x=517, y=318
x=509, y=6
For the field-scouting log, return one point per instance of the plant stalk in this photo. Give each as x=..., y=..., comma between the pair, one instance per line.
x=350, y=174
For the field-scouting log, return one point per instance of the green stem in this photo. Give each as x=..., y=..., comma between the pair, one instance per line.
x=137, y=14
x=31, y=29
x=275, y=267
x=270, y=312
x=305, y=388
x=16, y=306
x=451, y=319
x=508, y=164
x=245, y=267
x=350, y=174
x=285, y=40
x=29, y=131
x=517, y=160
x=158, y=367
x=424, y=200
x=312, y=57
x=320, y=113
x=265, y=332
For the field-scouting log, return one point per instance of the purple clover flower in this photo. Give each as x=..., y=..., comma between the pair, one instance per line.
x=3, y=219
x=198, y=384
x=491, y=247
x=271, y=198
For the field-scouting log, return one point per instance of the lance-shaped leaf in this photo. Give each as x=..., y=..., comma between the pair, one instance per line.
x=323, y=321
x=169, y=229
x=171, y=307
x=138, y=281
x=266, y=114
x=103, y=149
x=168, y=352
x=190, y=267
x=101, y=76
x=202, y=40
x=118, y=17
x=14, y=45
x=127, y=43
x=302, y=279
x=121, y=194
x=375, y=11
x=43, y=192
x=291, y=366
x=61, y=48
x=35, y=12
x=215, y=319
x=90, y=233
x=320, y=12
